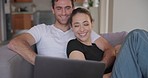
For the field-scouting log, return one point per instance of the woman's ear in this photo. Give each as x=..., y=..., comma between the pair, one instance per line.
x=92, y=24
x=71, y=28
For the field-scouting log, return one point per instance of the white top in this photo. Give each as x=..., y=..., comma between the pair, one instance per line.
x=52, y=41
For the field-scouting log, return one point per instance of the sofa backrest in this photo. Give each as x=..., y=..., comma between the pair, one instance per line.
x=115, y=38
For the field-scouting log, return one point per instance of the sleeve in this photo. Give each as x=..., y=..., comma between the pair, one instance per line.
x=94, y=36
x=73, y=45
x=37, y=31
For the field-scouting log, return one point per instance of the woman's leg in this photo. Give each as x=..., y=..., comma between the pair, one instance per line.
x=132, y=59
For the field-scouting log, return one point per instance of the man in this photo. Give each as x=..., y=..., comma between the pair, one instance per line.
x=52, y=40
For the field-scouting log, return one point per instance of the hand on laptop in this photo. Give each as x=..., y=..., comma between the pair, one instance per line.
x=108, y=75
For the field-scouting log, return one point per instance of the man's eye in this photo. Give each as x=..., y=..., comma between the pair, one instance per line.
x=68, y=8
x=58, y=8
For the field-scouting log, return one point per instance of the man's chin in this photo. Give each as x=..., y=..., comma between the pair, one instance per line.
x=64, y=23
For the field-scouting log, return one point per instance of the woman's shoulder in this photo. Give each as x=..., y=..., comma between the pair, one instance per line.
x=72, y=41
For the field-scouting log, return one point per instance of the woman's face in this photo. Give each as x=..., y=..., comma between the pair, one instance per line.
x=82, y=26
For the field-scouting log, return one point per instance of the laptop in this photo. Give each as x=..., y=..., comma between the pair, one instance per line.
x=52, y=67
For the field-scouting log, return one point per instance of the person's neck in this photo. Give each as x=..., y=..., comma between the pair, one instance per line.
x=88, y=42
x=64, y=28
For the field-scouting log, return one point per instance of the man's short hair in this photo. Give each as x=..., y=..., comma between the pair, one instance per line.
x=53, y=3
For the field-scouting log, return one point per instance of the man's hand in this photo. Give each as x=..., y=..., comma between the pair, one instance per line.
x=109, y=51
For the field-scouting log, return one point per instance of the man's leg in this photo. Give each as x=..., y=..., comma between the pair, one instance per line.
x=132, y=59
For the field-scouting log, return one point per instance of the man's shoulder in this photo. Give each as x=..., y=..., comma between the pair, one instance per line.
x=39, y=29
x=43, y=26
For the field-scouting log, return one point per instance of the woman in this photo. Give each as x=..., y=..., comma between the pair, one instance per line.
x=82, y=47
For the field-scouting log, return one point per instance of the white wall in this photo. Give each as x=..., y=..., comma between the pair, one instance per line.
x=104, y=16
x=130, y=14
x=95, y=15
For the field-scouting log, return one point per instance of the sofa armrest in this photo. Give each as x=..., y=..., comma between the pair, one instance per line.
x=13, y=65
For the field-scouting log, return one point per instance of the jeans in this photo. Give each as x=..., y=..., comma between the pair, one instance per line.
x=131, y=61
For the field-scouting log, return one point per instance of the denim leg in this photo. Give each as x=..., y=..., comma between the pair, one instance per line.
x=132, y=61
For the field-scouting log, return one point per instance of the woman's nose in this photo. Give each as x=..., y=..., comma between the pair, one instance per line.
x=81, y=28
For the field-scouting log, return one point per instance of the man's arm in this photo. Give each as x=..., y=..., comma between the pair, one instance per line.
x=22, y=45
x=109, y=51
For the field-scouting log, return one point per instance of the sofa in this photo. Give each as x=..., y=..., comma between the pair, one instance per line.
x=13, y=65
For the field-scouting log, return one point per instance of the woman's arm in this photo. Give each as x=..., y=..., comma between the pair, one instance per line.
x=77, y=55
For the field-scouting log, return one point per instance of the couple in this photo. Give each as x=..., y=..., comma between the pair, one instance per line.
x=52, y=41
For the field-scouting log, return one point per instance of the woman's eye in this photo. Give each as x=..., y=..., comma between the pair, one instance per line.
x=76, y=25
x=86, y=24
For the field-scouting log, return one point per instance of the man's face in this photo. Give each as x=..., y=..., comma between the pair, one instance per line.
x=62, y=11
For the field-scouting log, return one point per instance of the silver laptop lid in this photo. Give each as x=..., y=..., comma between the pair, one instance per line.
x=51, y=67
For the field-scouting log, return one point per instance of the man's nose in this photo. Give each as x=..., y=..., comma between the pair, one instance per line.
x=63, y=11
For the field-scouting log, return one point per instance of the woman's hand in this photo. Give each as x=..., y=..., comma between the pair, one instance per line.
x=108, y=75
